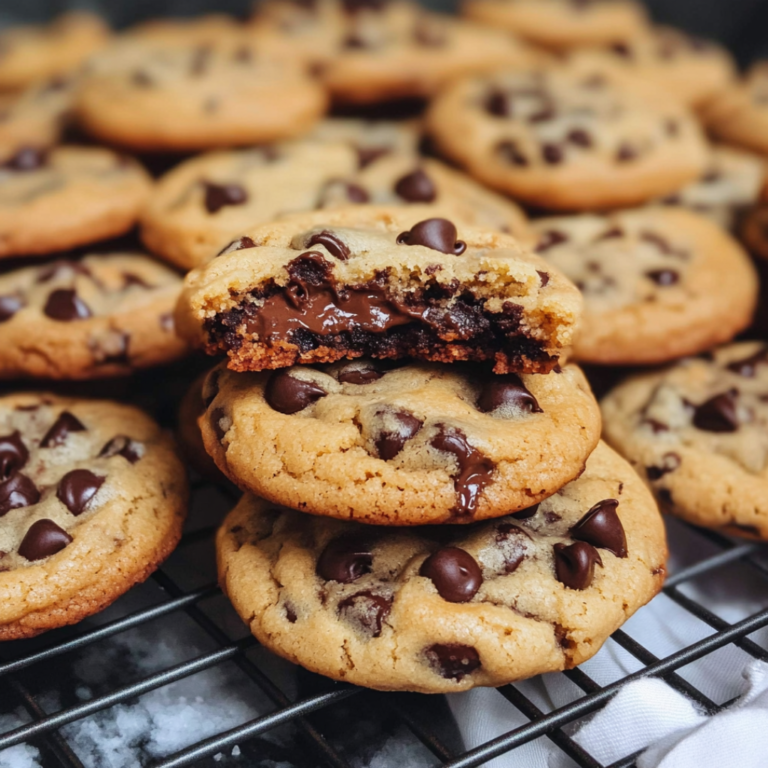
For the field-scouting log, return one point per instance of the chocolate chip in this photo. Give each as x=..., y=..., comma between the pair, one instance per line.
x=526, y=514
x=355, y=41
x=290, y=613
x=26, y=159
x=65, y=305
x=602, y=528
x=611, y=234
x=508, y=392
x=9, y=306
x=368, y=155
x=552, y=154
x=544, y=115
x=748, y=367
x=438, y=234
x=391, y=442
x=475, y=469
x=77, y=488
x=366, y=609
x=13, y=454
x=60, y=429
x=575, y=564
x=718, y=414
x=625, y=153
x=130, y=279
x=498, y=103
x=544, y=277
x=219, y=195
x=345, y=559
x=331, y=243
x=120, y=445
x=16, y=492
x=43, y=539
x=508, y=537
x=416, y=187
x=621, y=49
x=670, y=462
x=453, y=662
x=580, y=138
x=237, y=245
x=658, y=241
x=550, y=239
x=510, y=153
x=663, y=277
x=355, y=374
x=287, y=394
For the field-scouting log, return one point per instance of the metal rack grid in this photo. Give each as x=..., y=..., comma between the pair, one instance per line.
x=431, y=725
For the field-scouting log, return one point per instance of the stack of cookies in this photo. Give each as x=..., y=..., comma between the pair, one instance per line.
x=427, y=505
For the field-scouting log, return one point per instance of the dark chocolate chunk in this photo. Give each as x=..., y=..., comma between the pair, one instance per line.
x=219, y=195
x=621, y=49
x=575, y=564
x=287, y=394
x=544, y=277
x=9, y=306
x=508, y=537
x=510, y=152
x=26, y=159
x=13, y=454
x=602, y=528
x=670, y=462
x=625, y=153
x=506, y=390
x=356, y=194
x=237, y=245
x=663, y=277
x=120, y=445
x=438, y=234
x=65, y=305
x=390, y=443
x=718, y=414
x=475, y=469
x=416, y=187
x=453, y=662
x=580, y=138
x=130, y=279
x=498, y=103
x=355, y=374
x=368, y=155
x=17, y=491
x=526, y=514
x=345, y=559
x=366, y=609
x=290, y=613
x=331, y=243
x=550, y=239
x=60, y=429
x=43, y=539
x=77, y=488
x=552, y=154
x=748, y=366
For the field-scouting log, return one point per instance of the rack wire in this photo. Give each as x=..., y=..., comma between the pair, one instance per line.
x=308, y=713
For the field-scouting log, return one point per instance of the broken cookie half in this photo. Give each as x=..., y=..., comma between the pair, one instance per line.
x=383, y=283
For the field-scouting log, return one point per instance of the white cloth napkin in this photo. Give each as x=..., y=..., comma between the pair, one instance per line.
x=649, y=714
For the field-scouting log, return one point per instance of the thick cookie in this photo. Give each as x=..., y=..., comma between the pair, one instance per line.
x=30, y=54
x=658, y=283
x=103, y=315
x=384, y=282
x=562, y=24
x=698, y=433
x=92, y=500
x=740, y=115
x=34, y=117
x=732, y=182
x=53, y=200
x=153, y=97
x=689, y=69
x=372, y=51
x=566, y=140
x=416, y=445
x=448, y=608
x=196, y=207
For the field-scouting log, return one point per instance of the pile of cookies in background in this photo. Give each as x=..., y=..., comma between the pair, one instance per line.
x=399, y=234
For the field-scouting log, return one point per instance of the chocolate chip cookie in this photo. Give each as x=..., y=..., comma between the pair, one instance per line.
x=102, y=315
x=698, y=433
x=754, y=230
x=568, y=140
x=92, y=500
x=197, y=206
x=732, y=182
x=53, y=200
x=739, y=115
x=30, y=54
x=444, y=609
x=417, y=444
x=371, y=51
x=562, y=24
x=658, y=283
x=689, y=69
x=178, y=98
x=385, y=282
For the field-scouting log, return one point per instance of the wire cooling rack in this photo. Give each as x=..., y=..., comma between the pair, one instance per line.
x=316, y=713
